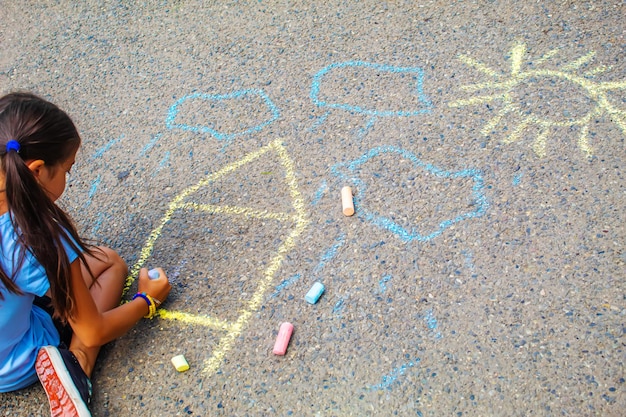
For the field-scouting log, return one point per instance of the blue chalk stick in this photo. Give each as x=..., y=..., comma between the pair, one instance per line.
x=314, y=293
x=153, y=274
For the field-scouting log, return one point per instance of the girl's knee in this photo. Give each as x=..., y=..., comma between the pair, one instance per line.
x=110, y=272
x=111, y=259
x=104, y=261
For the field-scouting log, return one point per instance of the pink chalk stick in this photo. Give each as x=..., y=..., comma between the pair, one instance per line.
x=282, y=340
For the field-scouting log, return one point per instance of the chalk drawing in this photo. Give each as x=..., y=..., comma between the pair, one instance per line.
x=388, y=380
x=339, y=305
x=480, y=201
x=233, y=328
x=320, y=121
x=431, y=322
x=150, y=144
x=164, y=162
x=325, y=258
x=97, y=224
x=94, y=157
x=382, y=283
x=505, y=88
x=286, y=283
x=330, y=253
x=320, y=193
x=247, y=96
x=363, y=131
x=98, y=154
x=469, y=259
x=418, y=78
x=92, y=190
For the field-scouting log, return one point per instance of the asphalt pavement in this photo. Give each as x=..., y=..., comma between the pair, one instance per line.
x=482, y=273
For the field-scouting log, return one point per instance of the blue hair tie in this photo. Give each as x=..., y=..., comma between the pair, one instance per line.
x=13, y=145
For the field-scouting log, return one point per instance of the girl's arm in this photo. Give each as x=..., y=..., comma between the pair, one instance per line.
x=95, y=328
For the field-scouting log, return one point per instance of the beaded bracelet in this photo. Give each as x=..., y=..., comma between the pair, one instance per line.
x=151, y=305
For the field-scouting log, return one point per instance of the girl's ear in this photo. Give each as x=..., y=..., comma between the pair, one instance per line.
x=35, y=166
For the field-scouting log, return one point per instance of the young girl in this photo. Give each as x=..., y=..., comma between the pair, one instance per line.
x=59, y=297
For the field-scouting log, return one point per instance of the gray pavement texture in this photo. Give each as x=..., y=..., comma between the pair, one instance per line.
x=483, y=271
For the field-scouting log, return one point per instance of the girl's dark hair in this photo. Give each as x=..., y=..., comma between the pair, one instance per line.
x=46, y=133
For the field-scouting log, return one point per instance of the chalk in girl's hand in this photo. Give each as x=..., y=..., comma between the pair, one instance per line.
x=314, y=293
x=284, y=334
x=180, y=363
x=346, y=201
x=153, y=274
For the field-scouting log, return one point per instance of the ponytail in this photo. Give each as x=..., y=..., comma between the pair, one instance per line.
x=34, y=129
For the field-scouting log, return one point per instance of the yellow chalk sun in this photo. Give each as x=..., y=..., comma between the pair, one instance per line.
x=519, y=87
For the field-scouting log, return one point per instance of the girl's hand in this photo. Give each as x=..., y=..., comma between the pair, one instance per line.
x=156, y=288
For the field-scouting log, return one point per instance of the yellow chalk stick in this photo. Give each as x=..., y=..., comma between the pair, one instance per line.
x=180, y=363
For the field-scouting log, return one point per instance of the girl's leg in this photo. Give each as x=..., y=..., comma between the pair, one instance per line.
x=110, y=272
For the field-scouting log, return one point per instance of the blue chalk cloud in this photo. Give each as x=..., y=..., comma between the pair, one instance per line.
x=422, y=106
x=232, y=101
x=349, y=172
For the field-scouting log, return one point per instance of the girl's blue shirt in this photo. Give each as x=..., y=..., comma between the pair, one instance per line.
x=24, y=328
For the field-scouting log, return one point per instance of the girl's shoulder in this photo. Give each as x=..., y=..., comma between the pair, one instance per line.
x=7, y=232
x=31, y=276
